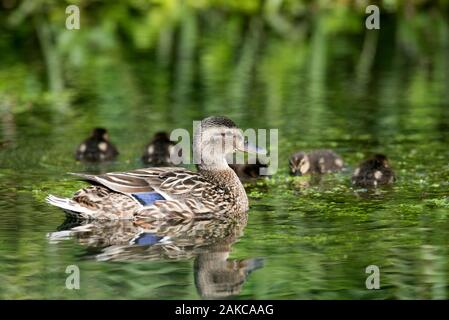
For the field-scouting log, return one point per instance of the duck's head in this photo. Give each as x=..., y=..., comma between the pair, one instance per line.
x=100, y=134
x=217, y=137
x=216, y=277
x=381, y=160
x=161, y=136
x=299, y=163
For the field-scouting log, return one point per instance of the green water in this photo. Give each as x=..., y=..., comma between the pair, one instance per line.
x=306, y=239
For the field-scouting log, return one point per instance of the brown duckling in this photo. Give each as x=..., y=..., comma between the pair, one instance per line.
x=97, y=147
x=248, y=171
x=316, y=161
x=159, y=150
x=373, y=172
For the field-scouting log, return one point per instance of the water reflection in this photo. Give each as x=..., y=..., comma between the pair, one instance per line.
x=209, y=242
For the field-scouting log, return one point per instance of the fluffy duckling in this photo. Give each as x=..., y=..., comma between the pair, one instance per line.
x=97, y=147
x=159, y=150
x=373, y=172
x=317, y=161
x=248, y=171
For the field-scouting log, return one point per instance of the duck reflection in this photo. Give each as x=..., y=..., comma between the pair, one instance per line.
x=209, y=242
x=217, y=277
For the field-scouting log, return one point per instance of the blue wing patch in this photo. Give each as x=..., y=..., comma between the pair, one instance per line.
x=147, y=198
x=147, y=239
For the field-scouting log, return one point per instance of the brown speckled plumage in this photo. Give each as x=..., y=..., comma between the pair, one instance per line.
x=214, y=190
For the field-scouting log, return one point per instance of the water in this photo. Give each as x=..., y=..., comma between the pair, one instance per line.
x=302, y=239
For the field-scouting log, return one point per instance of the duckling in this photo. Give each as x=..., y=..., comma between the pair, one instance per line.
x=97, y=147
x=317, y=161
x=159, y=150
x=373, y=172
x=248, y=171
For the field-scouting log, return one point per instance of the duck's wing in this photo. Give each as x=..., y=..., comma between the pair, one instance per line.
x=169, y=182
x=182, y=210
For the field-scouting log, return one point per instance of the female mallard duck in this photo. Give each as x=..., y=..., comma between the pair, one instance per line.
x=373, y=172
x=317, y=161
x=97, y=147
x=170, y=193
x=158, y=152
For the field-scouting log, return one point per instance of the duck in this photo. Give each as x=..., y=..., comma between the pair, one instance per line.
x=315, y=162
x=248, y=171
x=97, y=147
x=170, y=192
x=373, y=172
x=159, y=150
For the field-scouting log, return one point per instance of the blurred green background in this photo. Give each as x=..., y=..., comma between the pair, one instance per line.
x=181, y=54
x=308, y=68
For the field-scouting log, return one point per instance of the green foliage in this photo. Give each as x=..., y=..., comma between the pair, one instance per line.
x=158, y=29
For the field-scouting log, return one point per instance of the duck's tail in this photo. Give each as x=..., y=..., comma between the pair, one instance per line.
x=70, y=206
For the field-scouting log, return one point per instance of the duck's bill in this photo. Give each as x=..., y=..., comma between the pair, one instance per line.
x=250, y=148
